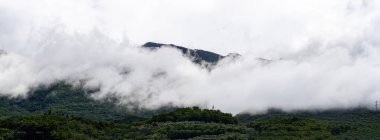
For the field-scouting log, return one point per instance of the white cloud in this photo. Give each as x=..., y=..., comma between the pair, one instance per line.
x=326, y=52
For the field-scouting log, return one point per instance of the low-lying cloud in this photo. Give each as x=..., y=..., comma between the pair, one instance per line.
x=331, y=61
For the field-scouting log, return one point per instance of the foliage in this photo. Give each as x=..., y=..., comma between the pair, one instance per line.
x=63, y=99
x=195, y=114
x=188, y=129
x=293, y=127
x=63, y=111
x=358, y=123
x=279, y=126
x=58, y=127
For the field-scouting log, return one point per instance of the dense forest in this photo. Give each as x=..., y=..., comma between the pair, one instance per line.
x=62, y=112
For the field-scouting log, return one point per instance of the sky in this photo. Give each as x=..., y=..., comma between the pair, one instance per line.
x=325, y=54
x=245, y=26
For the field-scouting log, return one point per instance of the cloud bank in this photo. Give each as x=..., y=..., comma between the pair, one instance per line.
x=325, y=54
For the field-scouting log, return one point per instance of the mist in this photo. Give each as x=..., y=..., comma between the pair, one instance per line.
x=323, y=54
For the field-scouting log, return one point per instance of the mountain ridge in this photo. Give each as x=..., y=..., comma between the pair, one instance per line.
x=198, y=56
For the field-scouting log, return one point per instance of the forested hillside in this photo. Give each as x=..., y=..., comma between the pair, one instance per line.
x=62, y=99
x=62, y=111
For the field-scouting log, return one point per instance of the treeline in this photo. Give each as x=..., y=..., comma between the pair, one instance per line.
x=188, y=124
x=195, y=114
x=61, y=111
x=195, y=123
x=50, y=127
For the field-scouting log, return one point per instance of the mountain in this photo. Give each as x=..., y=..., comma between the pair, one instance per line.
x=61, y=111
x=205, y=58
x=197, y=56
x=64, y=99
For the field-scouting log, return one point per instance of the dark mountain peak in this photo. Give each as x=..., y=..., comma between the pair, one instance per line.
x=154, y=45
x=197, y=56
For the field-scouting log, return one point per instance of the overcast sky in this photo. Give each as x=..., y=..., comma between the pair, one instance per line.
x=325, y=52
x=263, y=27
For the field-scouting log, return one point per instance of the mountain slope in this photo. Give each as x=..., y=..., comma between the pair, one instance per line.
x=197, y=56
x=63, y=99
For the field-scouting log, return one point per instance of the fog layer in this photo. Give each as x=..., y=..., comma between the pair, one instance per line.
x=324, y=54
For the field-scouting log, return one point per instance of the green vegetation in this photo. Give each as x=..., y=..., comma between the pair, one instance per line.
x=195, y=114
x=359, y=123
x=64, y=99
x=63, y=112
x=294, y=127
x=185, y=123
x=47, y=126
x=39, y=127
